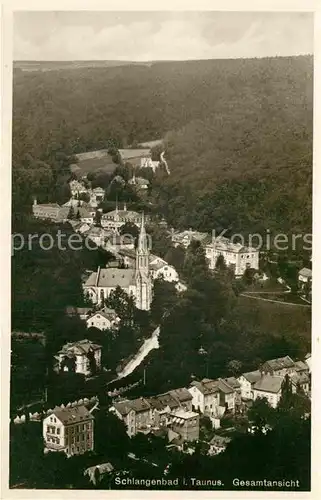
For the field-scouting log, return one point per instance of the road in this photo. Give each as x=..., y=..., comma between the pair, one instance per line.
x=149, y=344
x=165, y=162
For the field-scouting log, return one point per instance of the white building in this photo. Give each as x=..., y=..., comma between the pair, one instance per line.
x=118, y=218
x=70, y=430
x=147, y=162
x=80, y=357
x=139, y=182
x=97, y=195
x=247, y=381
x=213, y=397
x=161, y=269
x=102, y=320
x=304, y=276
x=236, y=256
x=269, y=387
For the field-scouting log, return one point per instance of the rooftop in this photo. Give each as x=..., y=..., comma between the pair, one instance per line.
x=269, y=383
x=80, y=347
x=127, y=154
x=72, y=415
x=252, y=376
x=305, y=272
x=278, y=363
x=111, y=277
x=185, y=415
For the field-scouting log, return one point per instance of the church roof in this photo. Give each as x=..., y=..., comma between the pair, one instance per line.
x=112, y=277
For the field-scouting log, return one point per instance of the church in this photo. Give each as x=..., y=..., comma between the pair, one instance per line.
x=136, y=281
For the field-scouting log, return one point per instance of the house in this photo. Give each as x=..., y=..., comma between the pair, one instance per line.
x=147, y=162
x=308, y=361
x=136, y=414
x=304, y=276
x=205, y=396
x=218, y=444
x=115, y=242
x=85, y=215
x=186, y=424
x=235, y=384
x=139, y=182
x=115, y=219
x=212, y=397
x=70, y=430
x=50, y=211
x=185, y=238
x=236, y=256
x=97, y=195
x=77, y=187
x=280, y=366
x=135, y=282
x=161, y=269
x=96, y=473
x=269, y=387
x=247, y=381
x=183, y=396
x=103, y=319
x=301, y=367
x=82, y=357
x=300, y=380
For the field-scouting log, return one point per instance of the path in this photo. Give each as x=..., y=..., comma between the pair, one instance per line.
x=275, y=301
x=165, y=162
x=149, y=344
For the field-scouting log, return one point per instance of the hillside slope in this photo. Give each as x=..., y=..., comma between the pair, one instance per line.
x=238, y=132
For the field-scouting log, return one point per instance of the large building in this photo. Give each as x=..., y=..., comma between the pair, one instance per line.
x=136, y=282
x=82, y=357
x=118, y=218
x=70, y=430
x=50, y=211
x=236, y=256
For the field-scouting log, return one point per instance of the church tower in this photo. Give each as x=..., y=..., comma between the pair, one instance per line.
x=142, y=275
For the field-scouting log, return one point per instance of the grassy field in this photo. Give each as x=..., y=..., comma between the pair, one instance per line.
x=104, y=164
x=277, y=319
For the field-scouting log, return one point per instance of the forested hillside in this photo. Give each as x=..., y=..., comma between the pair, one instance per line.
x=238, y=133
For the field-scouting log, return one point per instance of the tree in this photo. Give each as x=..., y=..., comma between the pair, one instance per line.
x=234, y=367
x=261, y=414
x=220, y=264
x=123, y=304
x=97, y=218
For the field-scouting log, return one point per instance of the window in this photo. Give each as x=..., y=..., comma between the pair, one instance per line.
x=77, y=439
x=48, y=428
x=53, y=430
x=51, y=419
x=58, y=430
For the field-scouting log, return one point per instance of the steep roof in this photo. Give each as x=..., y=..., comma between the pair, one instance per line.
x=166, y=400
x=181, y=394
x=79, y=348
x=269, y=383
x=206, y=386
x=232, y=382
x=301, y=366
x=123, y=407
x=252, y=377
x=278, y=363
x=111, y=278
x=106, y=312
x=72, y=415
x=300, y=378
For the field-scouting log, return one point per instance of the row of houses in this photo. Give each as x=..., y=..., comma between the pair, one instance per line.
x=178, y=410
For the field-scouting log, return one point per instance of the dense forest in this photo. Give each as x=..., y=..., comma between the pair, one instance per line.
x=238, y=133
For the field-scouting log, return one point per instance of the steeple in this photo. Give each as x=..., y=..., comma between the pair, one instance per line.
x=142, y=246
x=125, y=207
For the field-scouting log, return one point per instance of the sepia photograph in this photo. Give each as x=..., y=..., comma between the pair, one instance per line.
x=161, y=250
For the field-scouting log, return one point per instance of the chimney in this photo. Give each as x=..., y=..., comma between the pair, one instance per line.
x=35, y=201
